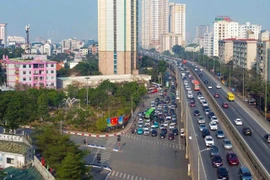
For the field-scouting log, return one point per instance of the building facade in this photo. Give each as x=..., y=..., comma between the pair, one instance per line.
x=117, y=36
x=224, y=28
x=35, y=73
x=177, y=20
x=169, y=40
x=3, y=34
x=13, y=40
x=192, y=48
x=208, y=44
x=244, y=28
x=226, y=50
x=154, y=22
x=200, y=31
x=244, y=52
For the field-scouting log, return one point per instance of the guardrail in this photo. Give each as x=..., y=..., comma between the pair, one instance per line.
x=257, y=168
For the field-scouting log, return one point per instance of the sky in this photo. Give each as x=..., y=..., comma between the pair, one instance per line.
x=60, y=19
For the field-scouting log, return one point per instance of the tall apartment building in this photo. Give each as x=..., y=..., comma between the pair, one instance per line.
x=177, y=20
x=3, y=34
x=117, y=36
x=71, y=44
x=224, y=28
x=200, y=31
x=226, y=50
x=154, y=22
x=208, y=43
x=169, y=40
x=36, y=73
x=244, y=28
x=263, y=55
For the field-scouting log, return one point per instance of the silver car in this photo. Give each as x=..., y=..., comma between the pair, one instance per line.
x=201, y=120
x=220, y=134
x=227, y=144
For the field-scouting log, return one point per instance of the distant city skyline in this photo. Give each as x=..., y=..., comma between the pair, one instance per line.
x=68, y=19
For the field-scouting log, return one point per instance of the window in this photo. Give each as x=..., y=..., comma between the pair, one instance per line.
x=51, y=65
x=52, y=72
x=30, y=72
x=24, y=79
x=24, y=72
x=52, y=77
x=30, y=66
x=10, y=160
x=29, y=79
x=24, y=66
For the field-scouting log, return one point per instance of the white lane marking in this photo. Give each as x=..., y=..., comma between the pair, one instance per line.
x=116, y=174
x=131, y=178
x=120, y=174
x=128, y=176
x=136, y=177
x=113, y=173
x=264, y=144
x=124, y=176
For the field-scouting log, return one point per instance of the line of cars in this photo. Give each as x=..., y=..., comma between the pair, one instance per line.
x=209, y=141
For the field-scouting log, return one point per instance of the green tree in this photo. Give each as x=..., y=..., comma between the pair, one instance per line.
x=101, y=124
x=43, y=102
x=178, y=50
x=167, y=53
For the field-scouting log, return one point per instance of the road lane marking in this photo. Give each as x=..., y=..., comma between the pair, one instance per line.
x=131, y=178
x=136, y=177
x=116, y=174
x=113, y=173
x=173, y=146
x=264, y=144
x=120, y=175
x=128, y=176
x=124, y=175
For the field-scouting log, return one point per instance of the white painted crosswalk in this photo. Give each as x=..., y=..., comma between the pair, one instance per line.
x=115, y=175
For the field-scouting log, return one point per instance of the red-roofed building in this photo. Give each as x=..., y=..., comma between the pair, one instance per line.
x=59, y=66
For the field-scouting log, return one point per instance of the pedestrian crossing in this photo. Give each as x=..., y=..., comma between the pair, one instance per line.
x=154, y=142
x=115, y=175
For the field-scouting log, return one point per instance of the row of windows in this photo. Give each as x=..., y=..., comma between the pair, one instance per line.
x=36, y=78
x=37, y=65
x=40, y=72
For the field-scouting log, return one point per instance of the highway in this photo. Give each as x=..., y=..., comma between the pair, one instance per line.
x=256, y=143
x=210, y=172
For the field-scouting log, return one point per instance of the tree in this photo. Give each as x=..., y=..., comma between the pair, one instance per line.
x=43, y=102
x=101, y=124
x=167, y=53
x=178, y=49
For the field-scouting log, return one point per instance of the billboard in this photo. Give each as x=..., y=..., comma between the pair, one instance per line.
x=114, y=121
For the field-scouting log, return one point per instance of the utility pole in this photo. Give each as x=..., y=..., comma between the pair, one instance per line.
x=87, y=78
x=243, y=82
x=265, y=100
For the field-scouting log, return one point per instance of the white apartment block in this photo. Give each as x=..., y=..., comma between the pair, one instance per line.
x=208, y=44
x=3, y=34
x=154, y=22
x=244, y=28
x=12, y=40
x=224, y=28
x=169, y=40
x=47, y=49
x=71, y=44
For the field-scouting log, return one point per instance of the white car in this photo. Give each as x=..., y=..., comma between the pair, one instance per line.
x=166, y=123
x=202, y=99
x=201, y=120
x=209, y=141
x=145, y=128
x=196, y=69
x=218, y=86
x=190, y=95
x=213, y=126
x=214, y=119
x=147, y=123
x=188, y=88
x=199, y=97
x=210, y=86
x=238, y=122
x=204, y=103
x=162, y=127
x=172, y=126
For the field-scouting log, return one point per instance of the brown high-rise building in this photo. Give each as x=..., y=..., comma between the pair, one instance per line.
x=117, y=36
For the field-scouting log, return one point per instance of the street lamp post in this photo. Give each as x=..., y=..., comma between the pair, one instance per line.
x=87, y=78
x=199, y=159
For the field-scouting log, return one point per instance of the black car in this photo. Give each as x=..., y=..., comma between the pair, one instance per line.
x=192, y=99
x=175, y=132
x=247, y=131
x=154, y=133
x=174, y=121
x=171, y=136
x=196, y=112
x=222, y=173
x=217, y=161
x=211, y=114
x=199, y=93
x=201, y=75
x=162, y=135
x=205, y=132
x=205, y=82
x=164, y=131
x=214, y=150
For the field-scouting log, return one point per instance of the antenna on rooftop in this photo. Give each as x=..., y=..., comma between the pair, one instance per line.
x=27, y=29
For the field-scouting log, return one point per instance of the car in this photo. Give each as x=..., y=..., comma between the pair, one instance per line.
x=227, y=144
x=225, y=105
x=147, y=122
x=140, y=114
x=200, y=75
x=196, y=112
x=205, y=81
x=208, y=140
x=220, y=134
x=211, y=114
x=192, y=104
x=154, y=133
x=140, y=125
x=217, y=161
x=155, y=124
x=214, y=119
x=247, y=131
x=162, y=127
x=166, y=124
x=190, y=95
x=172, y=126
x=216, y=95
x=206, y=111
x=164, y=130
x=214, y=150
x=201, y=120
x=199, y=96
x=266, y=138
x=238, y=122
x=202, y=99
x=146, y=132
x=175, y=131
x=162, y=135
x=145, y=128
x=209, y=86
x=218, y=86
x=201, y=127
x=204, y=103
x=222, y=173
x=213, y=126
x=171, y=136
x=244, y=173
x=140, y=131
x=232, y=158
x=182, y=132
x=205, y=132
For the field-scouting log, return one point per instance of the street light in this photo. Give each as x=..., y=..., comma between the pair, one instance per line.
x=200, y=159
x=132, y=104
x=87, y=78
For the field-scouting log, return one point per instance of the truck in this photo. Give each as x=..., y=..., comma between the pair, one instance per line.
x=196, y=85
x=184, y=61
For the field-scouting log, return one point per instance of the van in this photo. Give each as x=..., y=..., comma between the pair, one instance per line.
x=230, y=96
x=245, y=174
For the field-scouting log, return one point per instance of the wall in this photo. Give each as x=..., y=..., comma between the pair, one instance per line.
x=42, y=170
x=19, y=160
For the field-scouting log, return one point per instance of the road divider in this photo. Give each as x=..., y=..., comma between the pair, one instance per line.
x=96, y=146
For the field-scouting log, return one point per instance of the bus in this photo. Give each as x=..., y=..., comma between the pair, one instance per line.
x=149, y=113
x=196, y=85
x=230, y=96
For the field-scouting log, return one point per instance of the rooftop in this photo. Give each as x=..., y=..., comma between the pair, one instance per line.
x=13, y=147
x=21, y=174
x=192, y=45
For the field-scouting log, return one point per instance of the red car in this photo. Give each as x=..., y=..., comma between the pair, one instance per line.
x=192, y=104
x=225, y=105
x=232, y=158
x=216, y=95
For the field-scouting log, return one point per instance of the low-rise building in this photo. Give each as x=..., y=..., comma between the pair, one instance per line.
x=84, y=51
x=34, y=73
x=192, y=48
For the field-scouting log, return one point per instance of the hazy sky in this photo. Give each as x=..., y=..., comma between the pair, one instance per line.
x=58, y=19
